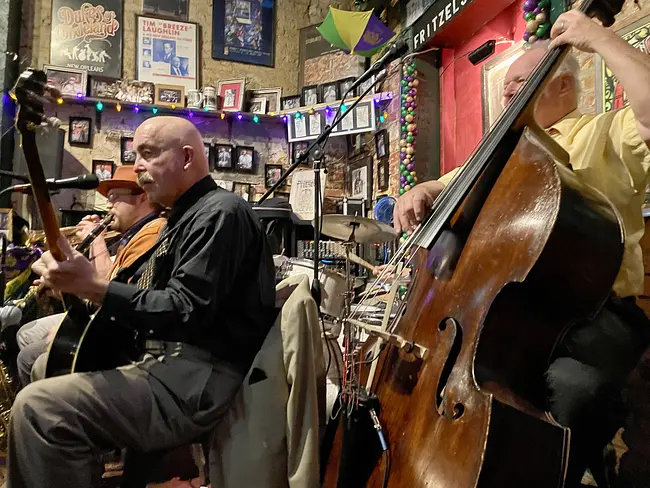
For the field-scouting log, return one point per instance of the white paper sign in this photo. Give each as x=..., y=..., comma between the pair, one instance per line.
x=301, y=197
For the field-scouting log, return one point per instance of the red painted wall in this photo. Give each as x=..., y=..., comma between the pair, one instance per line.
x=460, y=87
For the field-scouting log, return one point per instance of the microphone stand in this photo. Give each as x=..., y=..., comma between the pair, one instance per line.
x=318, y=158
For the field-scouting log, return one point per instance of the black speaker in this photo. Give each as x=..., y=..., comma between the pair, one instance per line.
x=482, y=52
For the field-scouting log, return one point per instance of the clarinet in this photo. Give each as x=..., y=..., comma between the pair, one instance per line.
x=34, y=292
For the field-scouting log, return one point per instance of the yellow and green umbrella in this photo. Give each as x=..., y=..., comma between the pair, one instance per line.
x=359, y=33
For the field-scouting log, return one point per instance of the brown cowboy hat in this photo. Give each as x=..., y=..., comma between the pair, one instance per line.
x=124, y=177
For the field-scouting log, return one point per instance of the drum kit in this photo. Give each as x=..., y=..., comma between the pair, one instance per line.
x=337, y=289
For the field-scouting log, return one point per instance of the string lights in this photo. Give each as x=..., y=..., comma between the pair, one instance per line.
x=106, y=105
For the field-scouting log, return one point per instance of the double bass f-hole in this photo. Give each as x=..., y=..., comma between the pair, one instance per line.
x=449, y=332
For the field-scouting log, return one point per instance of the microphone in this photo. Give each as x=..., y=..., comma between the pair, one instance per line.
x=83, y=182
x=10, y=315
x=396, y=51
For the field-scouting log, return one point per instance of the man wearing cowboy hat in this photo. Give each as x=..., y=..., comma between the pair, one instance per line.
x=139, y=222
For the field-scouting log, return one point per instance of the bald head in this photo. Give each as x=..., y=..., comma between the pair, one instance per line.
x=561, y=94
x=169, y=158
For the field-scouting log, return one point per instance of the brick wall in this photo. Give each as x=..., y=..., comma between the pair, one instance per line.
x=269, y=140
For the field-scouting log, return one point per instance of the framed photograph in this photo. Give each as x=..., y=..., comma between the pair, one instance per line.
x=493, y=72
x=330, y=92
x=131, y=91
x=174, y=50
x=79, y=131
x=231, y=93
x=344, y=86
x=381, y=143
x=311, y=95
x=170, y=95
x=382, y=174
x=223, y=157
x=69, y=81
x=358, y=178
x=273, y=97
x=609, y=91
x=103, y=169
x=88, y=36
x=127, y=154
x=172, y=9
x=242, y=189
x=292, y=102
x=225, y=184
x=272, y=173
x=6, y=222
x=245, y=159
x=315, y=121
x=299, y=148
x=257, y=105
x=243, y=31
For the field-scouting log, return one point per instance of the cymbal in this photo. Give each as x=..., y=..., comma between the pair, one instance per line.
x=357, y=229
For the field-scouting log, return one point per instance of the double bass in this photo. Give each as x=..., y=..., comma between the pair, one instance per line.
x=515, y=251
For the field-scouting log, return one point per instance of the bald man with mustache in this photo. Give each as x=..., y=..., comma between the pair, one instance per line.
x=204, y=312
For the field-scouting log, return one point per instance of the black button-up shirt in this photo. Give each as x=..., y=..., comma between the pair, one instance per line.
x=215, y=285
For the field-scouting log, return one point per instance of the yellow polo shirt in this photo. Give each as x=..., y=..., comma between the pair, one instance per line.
x=607, y=153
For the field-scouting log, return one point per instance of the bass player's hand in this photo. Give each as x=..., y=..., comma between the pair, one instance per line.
x=413, y=206
x=76, y=275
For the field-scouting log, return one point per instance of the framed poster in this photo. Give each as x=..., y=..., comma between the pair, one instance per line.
x=243, y=31
x=493, y=72
x=167, y=52
x=609, y=91
x=87, y=35
x=173, y=9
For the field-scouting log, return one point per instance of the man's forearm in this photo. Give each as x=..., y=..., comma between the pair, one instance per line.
x=100, y=257
x=632, y=67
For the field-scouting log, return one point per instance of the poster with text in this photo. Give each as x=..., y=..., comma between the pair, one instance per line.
x=610, y=94
x=244, y=31
x=167, y=52
x=88, y=35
